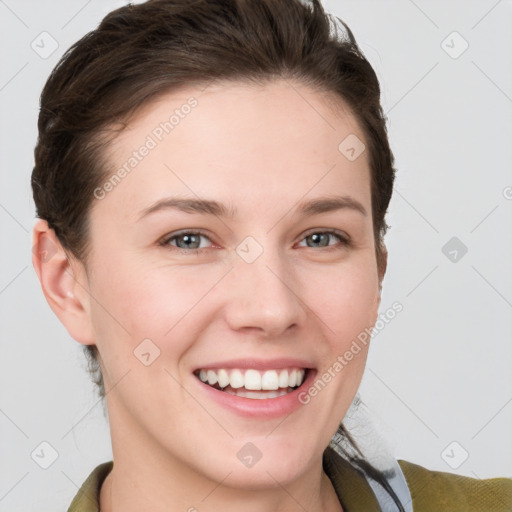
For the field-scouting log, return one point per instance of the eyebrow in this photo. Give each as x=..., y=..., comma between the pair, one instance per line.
x=211, y=207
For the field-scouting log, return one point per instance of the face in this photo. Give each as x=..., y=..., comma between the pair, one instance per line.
x=256, y=289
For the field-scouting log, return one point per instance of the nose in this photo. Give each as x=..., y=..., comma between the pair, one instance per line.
x=264, y=297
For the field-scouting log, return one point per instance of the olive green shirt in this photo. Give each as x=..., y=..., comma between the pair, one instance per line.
x=431, y=491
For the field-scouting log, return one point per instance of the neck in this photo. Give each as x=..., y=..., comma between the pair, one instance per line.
x=143, y=483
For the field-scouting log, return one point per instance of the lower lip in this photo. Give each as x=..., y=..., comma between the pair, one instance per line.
x=259, y=408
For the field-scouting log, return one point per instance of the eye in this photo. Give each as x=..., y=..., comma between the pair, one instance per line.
x=322, y=238
x=187, y=241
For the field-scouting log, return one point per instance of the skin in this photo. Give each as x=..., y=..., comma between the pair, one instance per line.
x=262, y=150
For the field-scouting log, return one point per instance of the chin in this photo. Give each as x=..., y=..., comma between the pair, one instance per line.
x=262, y=476
x=265, y=463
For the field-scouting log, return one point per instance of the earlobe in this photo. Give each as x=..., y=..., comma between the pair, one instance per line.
x=64, y=285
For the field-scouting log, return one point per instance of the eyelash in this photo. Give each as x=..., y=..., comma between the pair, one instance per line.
x=344, y=240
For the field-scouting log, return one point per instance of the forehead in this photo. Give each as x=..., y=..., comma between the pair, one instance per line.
x=238, y=140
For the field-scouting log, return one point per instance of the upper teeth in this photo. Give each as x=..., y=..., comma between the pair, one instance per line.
x=254, y=379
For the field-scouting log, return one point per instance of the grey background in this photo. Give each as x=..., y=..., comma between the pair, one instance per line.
x=438, y=381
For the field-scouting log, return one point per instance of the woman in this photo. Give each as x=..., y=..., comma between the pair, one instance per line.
x=212, y=180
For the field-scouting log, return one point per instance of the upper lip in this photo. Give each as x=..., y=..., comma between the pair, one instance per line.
x=258, y=364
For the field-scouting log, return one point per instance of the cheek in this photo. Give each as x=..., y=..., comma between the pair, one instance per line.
x=345, y=298
x=133, y=304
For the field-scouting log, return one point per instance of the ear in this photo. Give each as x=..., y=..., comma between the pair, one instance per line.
x=64, y=283
x=382, y=265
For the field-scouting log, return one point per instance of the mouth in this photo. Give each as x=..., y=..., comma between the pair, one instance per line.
x=253, y=383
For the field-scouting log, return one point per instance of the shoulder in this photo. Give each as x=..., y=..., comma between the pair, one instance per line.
x=87, y=498
x=438, y=490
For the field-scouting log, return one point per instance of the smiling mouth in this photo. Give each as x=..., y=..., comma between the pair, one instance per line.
x=251, y=383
